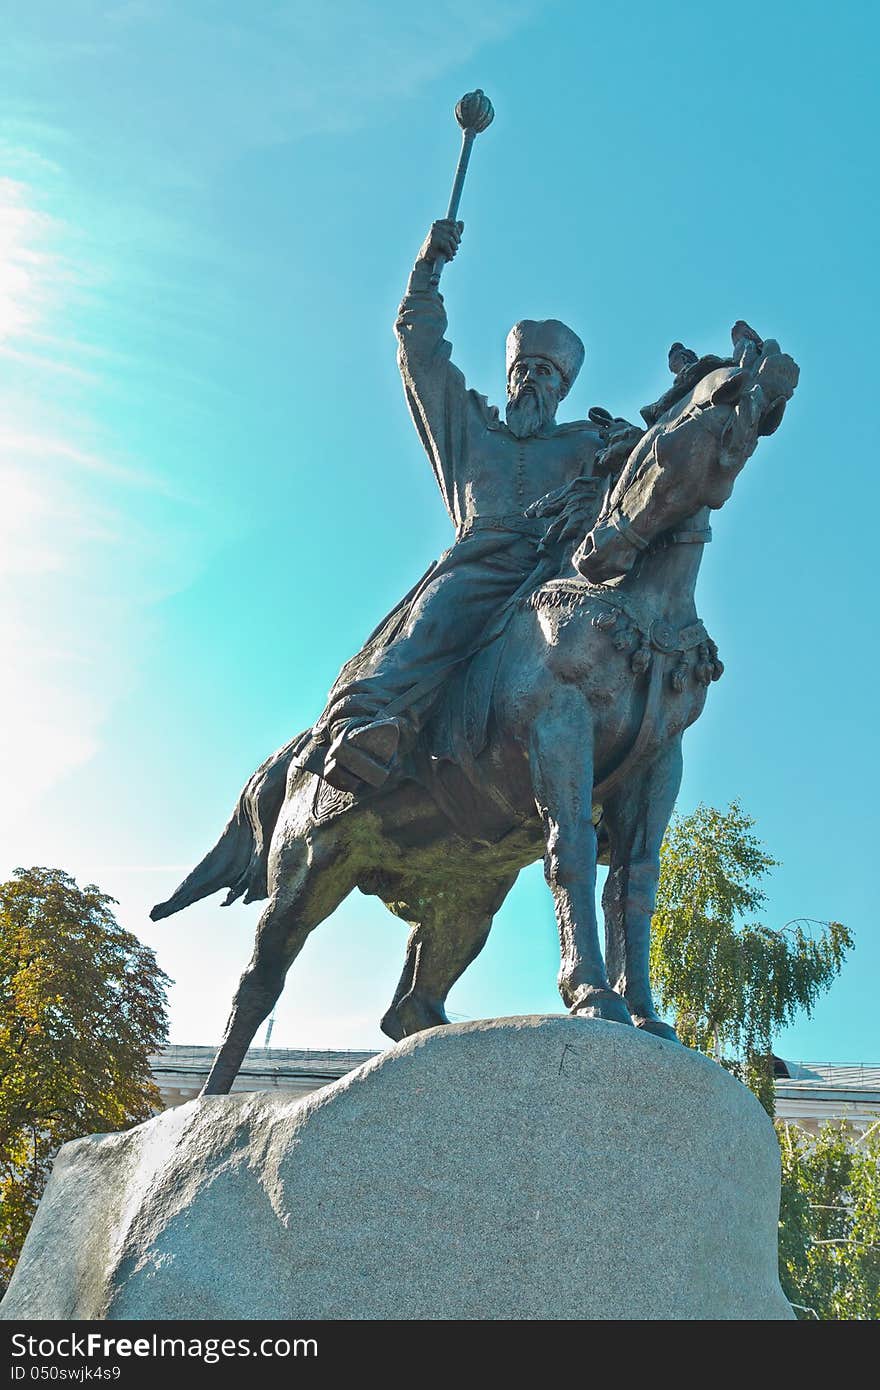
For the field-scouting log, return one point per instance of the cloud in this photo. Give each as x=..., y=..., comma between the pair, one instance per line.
x=29, y=276
x=108, y=107
x=78, y=577
x=212, y=83
x=60, y=626
x=77, y=562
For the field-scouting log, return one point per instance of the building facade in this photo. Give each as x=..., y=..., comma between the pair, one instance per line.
x=808, y=1095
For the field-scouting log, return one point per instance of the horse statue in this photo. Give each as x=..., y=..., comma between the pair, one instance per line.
x=597, y=675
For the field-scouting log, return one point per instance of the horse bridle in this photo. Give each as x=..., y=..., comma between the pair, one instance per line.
x=626, y=530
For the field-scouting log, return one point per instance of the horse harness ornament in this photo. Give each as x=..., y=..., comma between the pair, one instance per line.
x=651, y=643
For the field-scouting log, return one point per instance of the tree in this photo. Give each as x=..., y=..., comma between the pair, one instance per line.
x=82, y=1006
x=829, y=1222
x=731, y=983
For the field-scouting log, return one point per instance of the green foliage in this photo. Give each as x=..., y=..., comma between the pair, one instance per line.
x=82, y=1006
x=732, y=983
x=829, y=1222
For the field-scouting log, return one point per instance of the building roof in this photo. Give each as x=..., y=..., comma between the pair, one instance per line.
x=811, y=1093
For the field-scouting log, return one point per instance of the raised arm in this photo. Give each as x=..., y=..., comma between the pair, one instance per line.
x=435, y=389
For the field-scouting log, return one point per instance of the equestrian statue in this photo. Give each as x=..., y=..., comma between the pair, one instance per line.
x=527, y=699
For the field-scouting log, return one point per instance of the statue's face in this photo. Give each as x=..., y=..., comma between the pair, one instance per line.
x=538, y=373
x=534, y=389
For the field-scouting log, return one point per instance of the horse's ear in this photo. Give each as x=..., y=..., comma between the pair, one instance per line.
x=729, y=392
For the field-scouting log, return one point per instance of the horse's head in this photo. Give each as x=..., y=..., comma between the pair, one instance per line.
x=691, y=456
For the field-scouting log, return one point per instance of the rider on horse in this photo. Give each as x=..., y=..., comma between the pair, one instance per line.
x=494, y=477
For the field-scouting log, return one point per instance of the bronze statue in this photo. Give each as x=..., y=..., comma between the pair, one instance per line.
x=527, y=698
x=490, y=471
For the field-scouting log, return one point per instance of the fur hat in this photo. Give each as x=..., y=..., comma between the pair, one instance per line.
x=546, y=338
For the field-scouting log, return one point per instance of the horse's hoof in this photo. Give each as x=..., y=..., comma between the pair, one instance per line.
x=602, y=1003
x=391, y=1025
x=657, y=1027
x=412, y=1015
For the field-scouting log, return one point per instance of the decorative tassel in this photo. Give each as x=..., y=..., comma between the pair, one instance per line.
x=641, y=659
x=703, y=668
x=717, y=666
x=679, y=677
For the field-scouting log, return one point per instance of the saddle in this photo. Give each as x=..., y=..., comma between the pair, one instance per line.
x=444, y=758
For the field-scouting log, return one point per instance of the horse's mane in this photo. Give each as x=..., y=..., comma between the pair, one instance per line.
x=640, y=453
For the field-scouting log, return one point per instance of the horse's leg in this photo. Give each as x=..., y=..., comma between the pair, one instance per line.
x=441, y=946
x=311, y=881
x=563, y=787
x=636, y=818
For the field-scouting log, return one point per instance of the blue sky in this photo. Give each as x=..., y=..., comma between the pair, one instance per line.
x=211, y=487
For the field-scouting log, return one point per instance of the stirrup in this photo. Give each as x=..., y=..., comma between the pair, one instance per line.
x=367, y=751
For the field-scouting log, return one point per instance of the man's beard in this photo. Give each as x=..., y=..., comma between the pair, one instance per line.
x=529, y=410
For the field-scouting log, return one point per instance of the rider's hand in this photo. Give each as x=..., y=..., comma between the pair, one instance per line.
x=572, y=524
x=550, y=504
x=570, y=495
x=442, y=240
x=618, y=438
x=573, y=509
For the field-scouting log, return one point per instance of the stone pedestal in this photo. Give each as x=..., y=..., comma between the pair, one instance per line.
x=539, y=1167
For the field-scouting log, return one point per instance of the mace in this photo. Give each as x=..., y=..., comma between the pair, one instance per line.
x=473, y=113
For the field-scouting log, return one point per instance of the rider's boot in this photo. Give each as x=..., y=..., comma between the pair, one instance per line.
x=363, y=753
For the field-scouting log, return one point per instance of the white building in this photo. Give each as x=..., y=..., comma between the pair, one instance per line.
x=180, y=1072
x=808, y=1095
x=814, y=1092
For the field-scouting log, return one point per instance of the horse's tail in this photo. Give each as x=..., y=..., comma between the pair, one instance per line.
x=239, y=859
